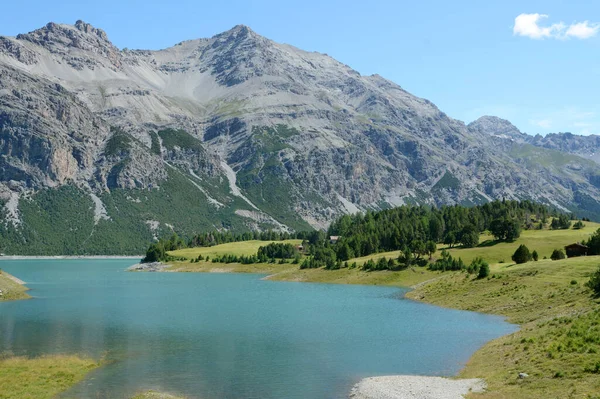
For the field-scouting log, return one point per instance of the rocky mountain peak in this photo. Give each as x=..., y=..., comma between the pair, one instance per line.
x=492, y=125
x=71, y=42
x=238, y=33
x=89, y=29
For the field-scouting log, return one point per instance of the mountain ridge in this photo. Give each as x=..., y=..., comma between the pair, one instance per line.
x=278, y=136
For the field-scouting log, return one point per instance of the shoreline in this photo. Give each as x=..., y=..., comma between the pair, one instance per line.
x=415, y=387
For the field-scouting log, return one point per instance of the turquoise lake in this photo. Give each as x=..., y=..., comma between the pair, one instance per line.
x=212, y=336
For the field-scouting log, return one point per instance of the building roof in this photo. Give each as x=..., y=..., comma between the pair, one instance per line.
x=577, y=245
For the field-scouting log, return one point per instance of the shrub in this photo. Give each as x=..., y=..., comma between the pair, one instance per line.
x=558, y=254
x=484, y=269
x=535, y=255
x=522, y=255
x=447, y=262
x=594, y=283
x=578, y=225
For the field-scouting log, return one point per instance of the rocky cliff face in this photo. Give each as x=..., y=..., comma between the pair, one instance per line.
x=272, y=133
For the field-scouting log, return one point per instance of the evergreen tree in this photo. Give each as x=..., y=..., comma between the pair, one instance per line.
x=431, y=248
x=469, y=237
x=594, y=243
x=560, y=222
x=521, y=255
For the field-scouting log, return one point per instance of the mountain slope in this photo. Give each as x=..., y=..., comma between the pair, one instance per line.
x=263, y=134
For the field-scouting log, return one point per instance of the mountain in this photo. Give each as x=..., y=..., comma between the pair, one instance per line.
x=584, y=146
x=102, y=149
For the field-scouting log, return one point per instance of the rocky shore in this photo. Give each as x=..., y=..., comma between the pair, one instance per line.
x=148, y=267
x=415, y=387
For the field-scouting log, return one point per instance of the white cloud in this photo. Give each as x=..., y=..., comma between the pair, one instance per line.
x=528, y=25
x=583, y=30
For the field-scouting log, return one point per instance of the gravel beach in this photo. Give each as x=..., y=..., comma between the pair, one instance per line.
x=415, y=387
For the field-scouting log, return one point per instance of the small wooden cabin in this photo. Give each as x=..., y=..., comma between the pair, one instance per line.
x=574, y=250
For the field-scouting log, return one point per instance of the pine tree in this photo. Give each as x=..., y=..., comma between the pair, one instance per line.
x=521, y=255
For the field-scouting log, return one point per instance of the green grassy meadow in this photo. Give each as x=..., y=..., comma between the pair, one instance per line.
x=543, y=241
x=11, y=290
x=43, y=377
x=232, y=248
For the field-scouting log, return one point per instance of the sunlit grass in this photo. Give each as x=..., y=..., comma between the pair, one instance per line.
x=42, y=377
x=232, y=248
x=558, y=345
x=11, y=290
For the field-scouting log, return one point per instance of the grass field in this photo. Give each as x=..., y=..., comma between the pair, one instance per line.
x=232, y=248
x=11, y=290
x=543, y=241
x=43, y=377
x=559, y=341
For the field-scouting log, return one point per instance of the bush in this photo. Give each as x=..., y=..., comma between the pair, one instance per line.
x=594, y=283
x=484, y=269
x=561, y=222
x=578, y=225
x=535, y=255
x=522, y=255
x=558, y=254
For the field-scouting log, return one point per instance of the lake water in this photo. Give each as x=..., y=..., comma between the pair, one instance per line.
x=214, y=336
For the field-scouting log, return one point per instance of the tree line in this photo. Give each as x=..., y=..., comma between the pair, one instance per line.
x=416, y=229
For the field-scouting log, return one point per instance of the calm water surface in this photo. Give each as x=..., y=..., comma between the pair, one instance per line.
x=214, y=336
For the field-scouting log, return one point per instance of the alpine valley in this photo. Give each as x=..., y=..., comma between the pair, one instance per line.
x=102, y=149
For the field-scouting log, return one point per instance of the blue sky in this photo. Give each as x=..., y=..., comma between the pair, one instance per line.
x=470, y=58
